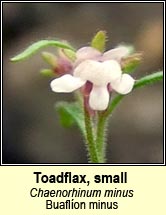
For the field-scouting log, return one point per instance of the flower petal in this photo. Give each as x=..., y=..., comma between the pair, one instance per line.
x=110, y=71
x=116, y=53
x=123, y=85
x=99, y=98
x=87, y=70
x=87, y=52
x=99, y=73
x=66, y=83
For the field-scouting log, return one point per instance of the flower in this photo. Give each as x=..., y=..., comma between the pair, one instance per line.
x=102, y=70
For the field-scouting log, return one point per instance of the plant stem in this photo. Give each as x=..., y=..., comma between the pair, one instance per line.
x=90, y=137
x=100, y=137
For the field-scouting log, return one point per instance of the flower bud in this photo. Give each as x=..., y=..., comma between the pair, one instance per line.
x=47, y=72
x=50, y=59
x=130, y=63
x=71, y=55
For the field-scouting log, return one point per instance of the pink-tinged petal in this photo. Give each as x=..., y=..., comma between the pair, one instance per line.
x=99, y=98
x=99, y=73
x=87, y=70
x=110, y=71
x=87, y=53
x=87, y=89
x=123, y=85
x=66, y=83
x=116, y=53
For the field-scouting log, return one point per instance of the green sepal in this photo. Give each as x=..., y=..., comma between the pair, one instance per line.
x=99, y=40
x=50, y=59
x=70, y=54
x=130, y=63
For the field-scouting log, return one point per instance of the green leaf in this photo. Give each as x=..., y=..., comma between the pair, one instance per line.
x=71, y=114
x=149, y=79
x=35, y=47
x=99, y=40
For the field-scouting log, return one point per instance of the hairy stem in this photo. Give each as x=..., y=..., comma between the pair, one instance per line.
x=100, y=137
x=90, y=137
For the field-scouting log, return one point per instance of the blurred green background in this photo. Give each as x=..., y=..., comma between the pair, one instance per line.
x=31, y=129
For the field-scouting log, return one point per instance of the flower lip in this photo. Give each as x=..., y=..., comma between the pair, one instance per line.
x=124, y=85
x=99, y=98
x=66, y=83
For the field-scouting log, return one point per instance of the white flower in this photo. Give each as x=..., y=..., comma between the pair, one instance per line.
x=99, y=69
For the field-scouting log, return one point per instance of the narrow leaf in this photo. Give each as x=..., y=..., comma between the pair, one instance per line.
x=35, y=47
x=149, y=79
